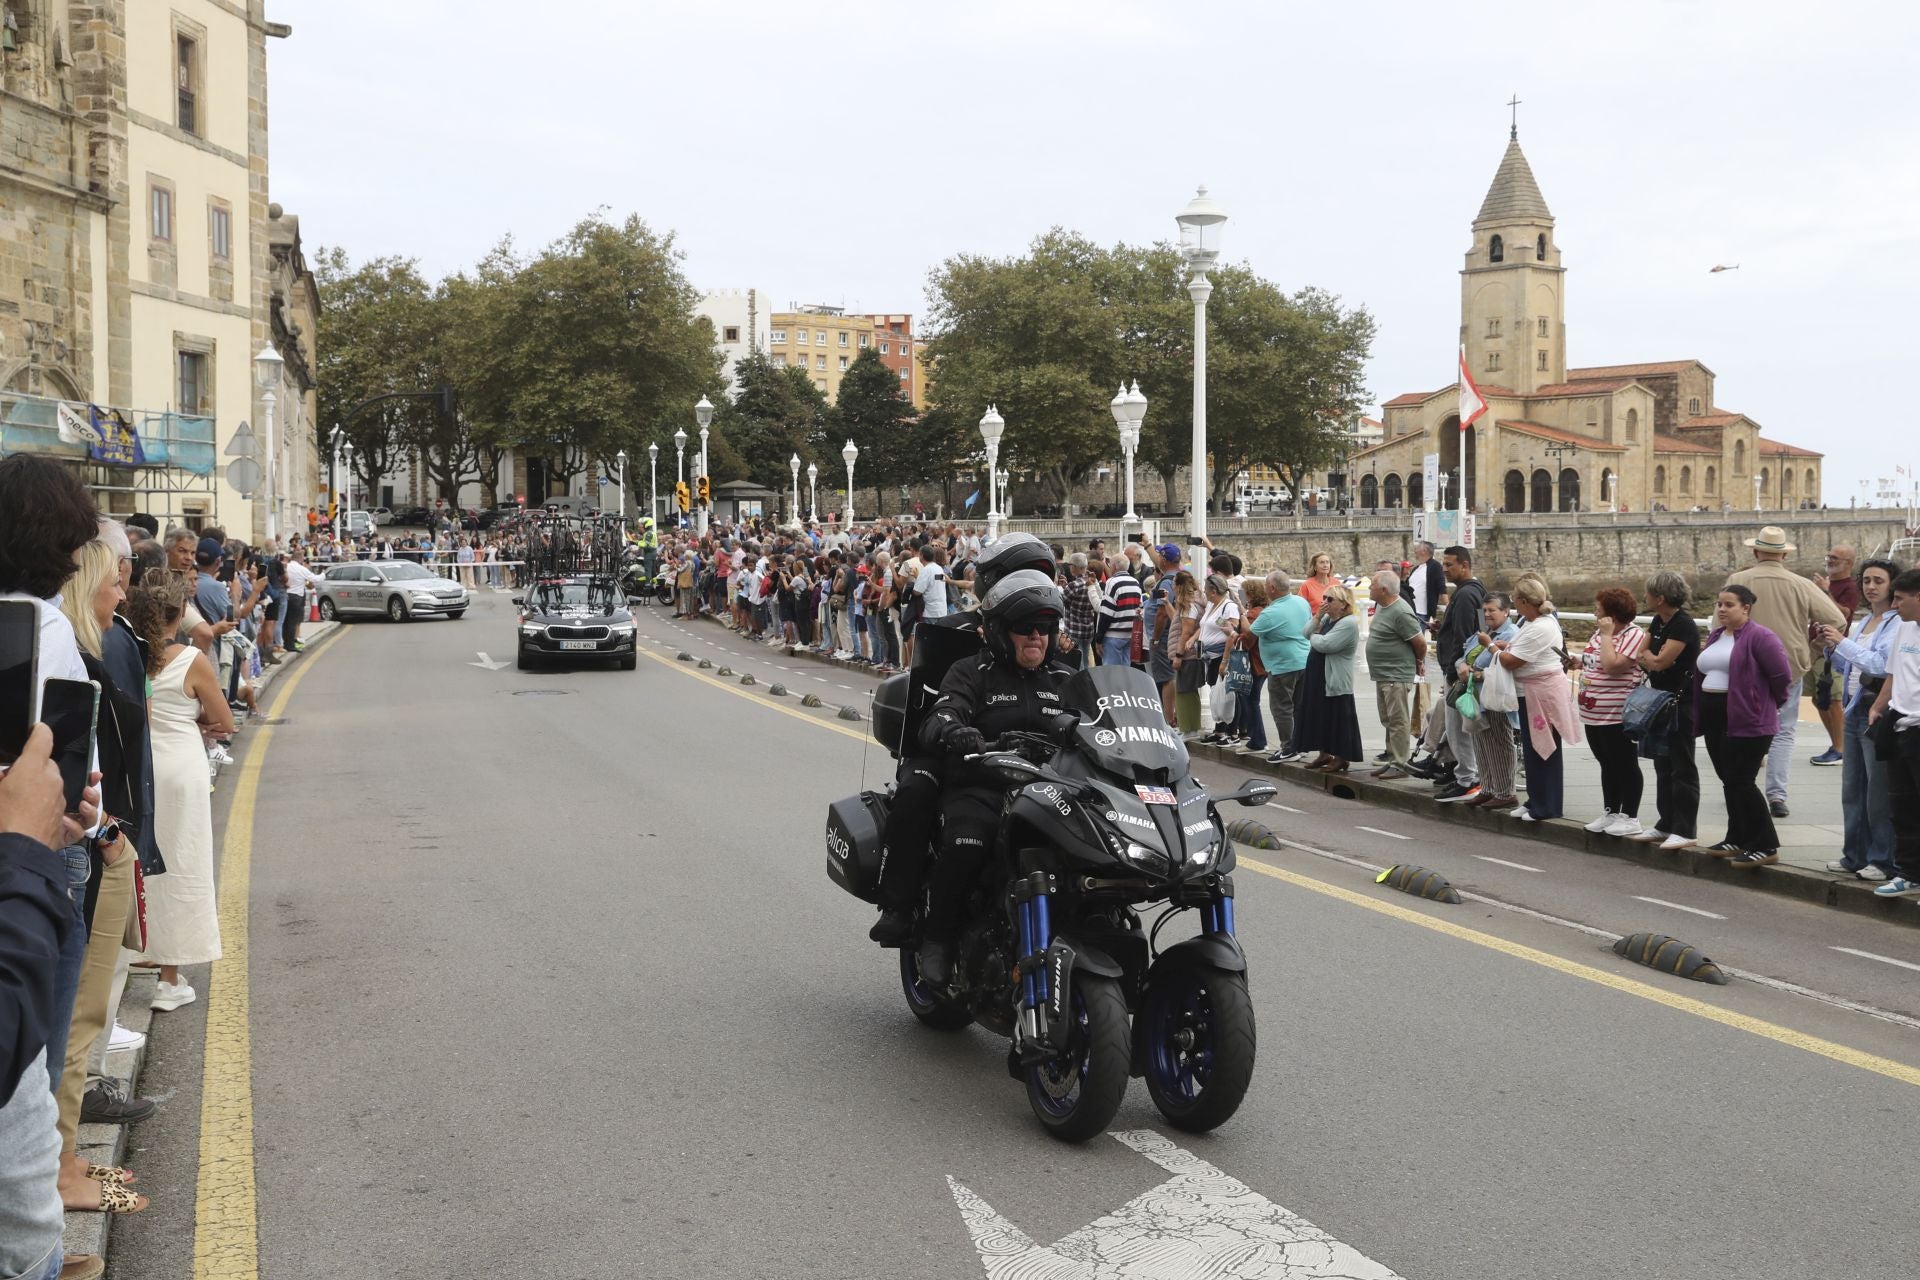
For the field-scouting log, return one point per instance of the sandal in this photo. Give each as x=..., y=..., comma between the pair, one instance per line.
x=109, y=1173
x=114, y=1198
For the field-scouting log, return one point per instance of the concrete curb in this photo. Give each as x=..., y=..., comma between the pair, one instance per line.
x=107, y=1143
x=798, y=651
x=1853, y=896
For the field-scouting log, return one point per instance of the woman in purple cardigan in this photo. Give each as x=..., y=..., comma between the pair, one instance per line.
x=1739, y=682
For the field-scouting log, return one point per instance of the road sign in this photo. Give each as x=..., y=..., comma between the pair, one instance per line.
x=242, y=445
x=1431, y=466
x=244, y=475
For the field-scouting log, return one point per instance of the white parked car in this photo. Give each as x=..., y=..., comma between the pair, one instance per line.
x=399, y=589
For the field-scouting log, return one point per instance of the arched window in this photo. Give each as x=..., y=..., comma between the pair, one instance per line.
x=1369, y=492
x=1633, y=425
x=1712, y=481
x=1766, y=480
x=1660, y=480
x=1516, y=491
x=1540, y=247
x=1812, y=492
x=1497, y=250
x=1569, y=489
x=1542, y=490
x=1416, y=489
x=1686, y=482
x=1739, y=457
x=1392, y=488
x=1786, y=484
x=1609, y=486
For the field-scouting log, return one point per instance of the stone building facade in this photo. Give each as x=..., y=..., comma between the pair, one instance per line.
x=1554, y=438
x=134, y=241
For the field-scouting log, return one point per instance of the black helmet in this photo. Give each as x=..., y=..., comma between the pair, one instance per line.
x=1010, y=553
x=1022, y=596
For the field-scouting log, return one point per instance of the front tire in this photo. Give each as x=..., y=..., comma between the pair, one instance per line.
x=1076, y=1095
x=457, y=614
x=520, y=660
x=1197, y=1027
x=630, y=663
x=396, y=609
x=941, y=1015
x=328, y=609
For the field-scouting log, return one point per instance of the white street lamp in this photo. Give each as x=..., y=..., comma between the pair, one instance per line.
x=1006, y=495
x=653, y=465
x=1756, y=495
x=267, y=366
x=621, y=458
x=346, y=451
x=1129, y=411
x=1613, y=490
x=992, y=427
x=851, y=452
x=680, y=453
x=1199, y=226
x=703, y=414
x=793, y=465
x=333, y=476
x=813, y=493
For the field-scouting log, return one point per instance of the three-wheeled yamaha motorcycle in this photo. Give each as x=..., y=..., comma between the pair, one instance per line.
x=1102, y=819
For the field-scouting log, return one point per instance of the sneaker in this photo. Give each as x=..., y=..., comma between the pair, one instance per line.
x=1284, y=756
x=1625, y=825
x=1827, y=757
x=106, y=1102
x=1602, y=822
x=1654, y=836
x=1524, y=814
x=171, y=995
x=1453, y=793
x=125, y=1039
x=1383, y=756
x=1676, y=842
x=218, y=754
x=1248, y=749
x=1871, y=872
x=1895, y=887
x=1839, y=867
x=1754, y=858
x=1425, y=768
x=1388, y=774
x=1724, y=849
x=1778, y=808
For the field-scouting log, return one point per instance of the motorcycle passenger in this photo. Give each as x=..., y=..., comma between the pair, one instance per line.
x=909, y=833
x=1013, y=685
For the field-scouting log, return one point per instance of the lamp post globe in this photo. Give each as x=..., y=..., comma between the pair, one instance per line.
x=621, y=458
x=1200, y=230
x=850, y=454
x=793, y=465
x=653, y=487
x=813, y=493
x=267, y=365
x=703, y=415
x=992, y=427
x=680, y=457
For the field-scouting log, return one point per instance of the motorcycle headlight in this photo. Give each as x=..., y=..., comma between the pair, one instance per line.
x=1139, y=852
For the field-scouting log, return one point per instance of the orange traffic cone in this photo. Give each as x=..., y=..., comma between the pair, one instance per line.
x=313, y=610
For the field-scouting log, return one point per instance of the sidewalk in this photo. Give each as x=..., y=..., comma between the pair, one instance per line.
x=106, y=1144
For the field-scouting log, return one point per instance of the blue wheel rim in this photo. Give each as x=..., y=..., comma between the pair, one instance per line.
x=1057, y=1083
x=1180, y=1040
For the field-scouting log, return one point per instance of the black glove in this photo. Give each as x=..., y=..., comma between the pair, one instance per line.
x=965, y=740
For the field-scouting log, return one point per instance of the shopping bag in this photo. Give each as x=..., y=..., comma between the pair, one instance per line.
x=1497, y=690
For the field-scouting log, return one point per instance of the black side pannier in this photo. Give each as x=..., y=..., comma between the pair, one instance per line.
x=855, y=831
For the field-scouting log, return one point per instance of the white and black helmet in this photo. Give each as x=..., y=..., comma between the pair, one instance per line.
x=1010, y=553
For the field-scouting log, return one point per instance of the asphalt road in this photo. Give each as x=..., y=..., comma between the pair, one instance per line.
x=547, y=978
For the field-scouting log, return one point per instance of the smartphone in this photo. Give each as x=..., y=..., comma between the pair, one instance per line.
x=71, y=708
x=19, y=675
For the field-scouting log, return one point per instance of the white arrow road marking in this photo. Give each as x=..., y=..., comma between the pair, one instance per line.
x=489, y=663
x=1199, y=1224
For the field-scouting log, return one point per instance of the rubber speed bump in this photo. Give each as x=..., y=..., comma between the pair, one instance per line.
x=1669, y=955
x=706, y=664
x=811, y=700
x=1419, y=882
x=1254, y=835
x=849, y=713
x=777, y=690
x=683, y=656
x=748, y=679
x=724, y=671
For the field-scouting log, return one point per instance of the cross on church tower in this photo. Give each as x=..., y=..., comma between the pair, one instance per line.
x=1513, y=133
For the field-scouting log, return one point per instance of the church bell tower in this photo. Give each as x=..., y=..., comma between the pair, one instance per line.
x=1512, y=289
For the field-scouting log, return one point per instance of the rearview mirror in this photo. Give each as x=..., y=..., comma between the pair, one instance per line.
x=1255, y=792
x=520, y=600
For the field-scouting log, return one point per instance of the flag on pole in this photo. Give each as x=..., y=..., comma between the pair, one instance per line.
x=972, y=498
x=1472, y=403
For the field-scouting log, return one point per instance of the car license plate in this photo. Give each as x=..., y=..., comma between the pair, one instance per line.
x=579, y=644
x=1155, y=795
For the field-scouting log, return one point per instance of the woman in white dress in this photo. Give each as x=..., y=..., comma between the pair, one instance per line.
x=185, y=702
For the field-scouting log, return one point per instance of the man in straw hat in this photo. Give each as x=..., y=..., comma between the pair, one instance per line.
x=1787, y=605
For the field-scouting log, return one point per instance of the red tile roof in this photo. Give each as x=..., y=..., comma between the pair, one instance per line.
x=1675, y=444
x=1583, y=387
x=1421, y=397
x=1718, y=418
x=1633, y=370
x=1775, y=448
x=1542, y=432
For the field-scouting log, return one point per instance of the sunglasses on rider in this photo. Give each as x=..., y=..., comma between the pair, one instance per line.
x=1038, y=628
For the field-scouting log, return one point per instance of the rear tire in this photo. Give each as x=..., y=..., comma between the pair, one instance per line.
x=1197, y=1028
x=1076, y=1096
x=941, y=1015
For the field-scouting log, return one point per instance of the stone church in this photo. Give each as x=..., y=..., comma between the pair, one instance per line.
x=1558, y=439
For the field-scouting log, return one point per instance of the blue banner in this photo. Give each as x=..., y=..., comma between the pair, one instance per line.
x=972, y=498
x=112, y=439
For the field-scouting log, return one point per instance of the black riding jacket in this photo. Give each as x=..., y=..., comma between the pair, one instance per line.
x=995, y=696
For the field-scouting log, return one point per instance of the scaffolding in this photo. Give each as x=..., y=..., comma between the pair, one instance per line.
x=171, y=475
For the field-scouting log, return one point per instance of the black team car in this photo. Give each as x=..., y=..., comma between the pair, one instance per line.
x=575, y=618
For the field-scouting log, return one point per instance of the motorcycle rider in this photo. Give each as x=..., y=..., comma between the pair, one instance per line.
x=1014, y=684
x=909, y=834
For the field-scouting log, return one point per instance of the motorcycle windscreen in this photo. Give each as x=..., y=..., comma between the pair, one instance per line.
x=1122, y=723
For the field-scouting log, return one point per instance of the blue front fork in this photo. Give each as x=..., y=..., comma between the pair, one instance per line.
x=1033, y=930
x=1217, y=916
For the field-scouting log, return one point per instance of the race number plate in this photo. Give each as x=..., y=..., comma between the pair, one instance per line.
x=1155, y=795
x=578, y=644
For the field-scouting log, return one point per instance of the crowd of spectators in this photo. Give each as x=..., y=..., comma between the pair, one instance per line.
x=174, y=626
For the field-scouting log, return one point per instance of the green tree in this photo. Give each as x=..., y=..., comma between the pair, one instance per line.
x=871, y=412
x=775, y=412
x=378, y=335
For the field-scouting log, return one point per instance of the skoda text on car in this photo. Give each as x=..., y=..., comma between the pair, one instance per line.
x=392, y=588
x=573, y=619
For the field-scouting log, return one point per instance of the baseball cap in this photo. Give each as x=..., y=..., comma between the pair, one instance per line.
x=210, y=547
x=1168, y=551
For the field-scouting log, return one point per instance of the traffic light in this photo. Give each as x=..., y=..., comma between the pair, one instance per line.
x=706, y=492
x=680, y=497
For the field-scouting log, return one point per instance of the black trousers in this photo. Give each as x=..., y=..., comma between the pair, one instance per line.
x=909, y=834
x=1676, y=776
x=1903, y=795
x=1738, y=761
x=1619, y=758
x=972, y=816
x=296, y=614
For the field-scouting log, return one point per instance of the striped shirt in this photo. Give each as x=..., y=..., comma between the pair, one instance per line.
x=1603, y=697
x=1120, y=604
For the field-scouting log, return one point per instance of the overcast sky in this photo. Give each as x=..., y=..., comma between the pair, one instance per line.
x=835, y=159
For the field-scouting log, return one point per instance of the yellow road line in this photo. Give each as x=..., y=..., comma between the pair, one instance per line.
x=740, y=691
x=1573, y=968
x=226, y=1235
